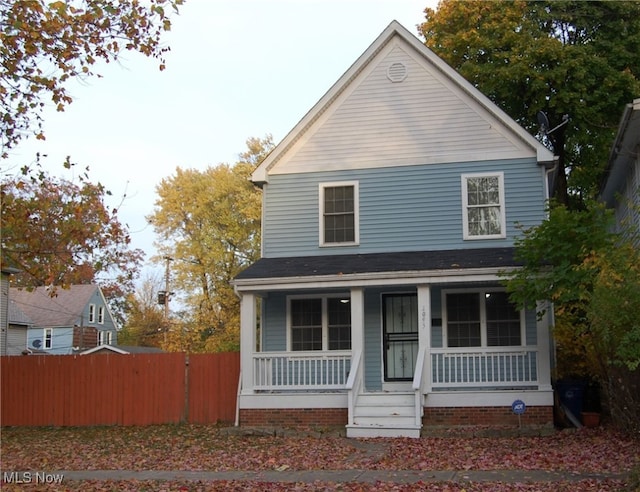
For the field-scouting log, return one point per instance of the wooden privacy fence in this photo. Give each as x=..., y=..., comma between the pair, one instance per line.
x=115, y=389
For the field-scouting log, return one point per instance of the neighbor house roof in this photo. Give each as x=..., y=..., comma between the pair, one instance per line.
x=63, y=309
x=353, y=264
x=17, y=316
x=123, y=349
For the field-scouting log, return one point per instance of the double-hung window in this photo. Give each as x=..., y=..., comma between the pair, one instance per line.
x=48, y=338
x=339, y=214
x=483, y=214
x=101, y=315
x=105, y=337
x=482, y=319
x=320, y=323
x=92, y=313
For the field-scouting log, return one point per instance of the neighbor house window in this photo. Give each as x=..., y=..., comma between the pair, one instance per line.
x=483, y=214
x=339, y=214
x=105, y=337
x=320, y=323
x=48, y=338
x=92, y=313
x=482, y=319
x=101, y=315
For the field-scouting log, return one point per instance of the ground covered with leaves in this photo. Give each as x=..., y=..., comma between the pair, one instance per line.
x=591, y=459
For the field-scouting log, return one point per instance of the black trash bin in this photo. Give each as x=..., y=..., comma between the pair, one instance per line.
x=571, y=394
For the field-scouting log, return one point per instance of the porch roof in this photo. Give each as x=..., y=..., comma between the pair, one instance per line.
x=420, y=261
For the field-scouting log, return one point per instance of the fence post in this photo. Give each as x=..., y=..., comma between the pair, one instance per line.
x=185, y=418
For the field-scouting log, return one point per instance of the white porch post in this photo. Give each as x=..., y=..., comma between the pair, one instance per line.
x=424, y=333
x=543, y=334
x=357, y=320
x=247, y=339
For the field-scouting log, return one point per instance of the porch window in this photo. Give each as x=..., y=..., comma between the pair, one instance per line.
x=483, y=211
x=479, y=319
x=320, y=323
x=339, y=213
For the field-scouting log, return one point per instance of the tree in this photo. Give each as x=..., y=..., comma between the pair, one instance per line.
x=58, y=232
x=146, y=324
x=593, y=277
x=580, y=59
x=43, y=45
x=209, y=223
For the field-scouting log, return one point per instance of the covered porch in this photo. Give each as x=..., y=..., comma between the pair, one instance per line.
x=422, y=331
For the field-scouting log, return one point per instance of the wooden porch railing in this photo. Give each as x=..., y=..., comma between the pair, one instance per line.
x=496, y=367
x=301, y=370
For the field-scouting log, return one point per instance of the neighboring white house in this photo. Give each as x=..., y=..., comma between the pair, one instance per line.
x=621, y=185
x=389, y=212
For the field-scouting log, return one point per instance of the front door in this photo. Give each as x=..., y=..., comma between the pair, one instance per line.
x=400, y=336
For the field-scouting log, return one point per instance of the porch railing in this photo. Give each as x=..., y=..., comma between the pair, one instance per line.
x=495, y=367
x=278, y=371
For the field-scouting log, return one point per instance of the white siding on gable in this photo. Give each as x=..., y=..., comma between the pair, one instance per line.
x=423, y=119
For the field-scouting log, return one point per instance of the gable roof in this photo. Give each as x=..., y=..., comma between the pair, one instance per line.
x=64, y=309
x=445, y=100
x=123, y=349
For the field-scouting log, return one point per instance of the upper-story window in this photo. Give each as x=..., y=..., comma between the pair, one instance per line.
x=483, y=214
x=339, y=215
x=101, y=315
x=320, y=323
x=482, y=319
x=92, y=313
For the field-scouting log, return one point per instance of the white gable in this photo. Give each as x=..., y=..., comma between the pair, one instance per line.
x=399, y=105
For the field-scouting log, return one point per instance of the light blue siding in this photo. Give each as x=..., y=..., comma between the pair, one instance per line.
x=274, y=323
x=406, y=208
x=61, y=340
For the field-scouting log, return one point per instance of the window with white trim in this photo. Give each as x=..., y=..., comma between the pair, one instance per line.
x=92, y=313
x=105, y=337
x=483, y=211
x=319, y=323
x=339, y=214
x=101, y=315
x=482, y=319
x=47, y=338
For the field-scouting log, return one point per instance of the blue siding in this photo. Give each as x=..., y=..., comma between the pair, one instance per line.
x=61, y=340
x=274, y=323
x=420, y=204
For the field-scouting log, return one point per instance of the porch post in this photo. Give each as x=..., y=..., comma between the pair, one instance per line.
x=424, y=333
x=247, y=339
x=543, y=335
x=357, y=320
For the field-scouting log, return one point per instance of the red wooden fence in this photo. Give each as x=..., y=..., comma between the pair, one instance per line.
x=115, y=389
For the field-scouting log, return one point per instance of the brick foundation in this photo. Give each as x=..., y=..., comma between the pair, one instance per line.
x=293, y=417
x=495, y=416
x=444, y=416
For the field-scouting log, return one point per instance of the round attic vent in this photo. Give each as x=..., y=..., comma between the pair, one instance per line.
x=397, y=72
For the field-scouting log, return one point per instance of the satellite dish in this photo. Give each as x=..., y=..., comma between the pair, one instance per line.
x=36, y=344
x=543, y=121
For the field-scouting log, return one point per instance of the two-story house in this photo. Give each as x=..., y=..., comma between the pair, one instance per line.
x=389, y=212
x=73, y=319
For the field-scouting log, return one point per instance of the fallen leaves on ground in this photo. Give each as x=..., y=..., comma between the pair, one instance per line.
x=206, y=448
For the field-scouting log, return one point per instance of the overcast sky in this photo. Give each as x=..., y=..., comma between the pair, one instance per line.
x=237, y=69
